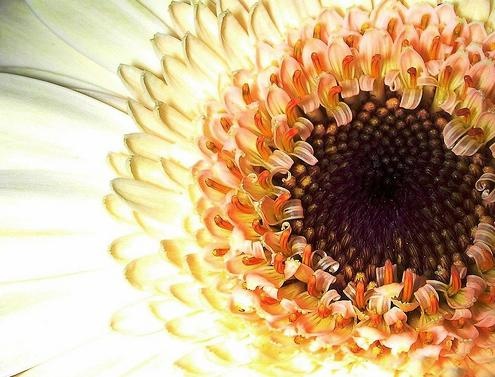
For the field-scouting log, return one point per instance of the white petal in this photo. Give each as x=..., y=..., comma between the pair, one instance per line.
x=133, y=79
x=236, y=42
x=182, y=17
x=151, y=171
x=149, y=123
x=157, y=7
x=160, y=204
x=43, y=318
x=262, y=25
x=166, y=44
x=476, y=10
x=236, y=8
x=203, y=59
x=29, y=47
x=207, y=26
x=156, y=148
x=116, y=355
x=109, y=32
x=44, y=126
x=186, y=82
x=36, y=256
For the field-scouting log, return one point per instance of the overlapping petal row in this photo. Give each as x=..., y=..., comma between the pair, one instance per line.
x=229, y=121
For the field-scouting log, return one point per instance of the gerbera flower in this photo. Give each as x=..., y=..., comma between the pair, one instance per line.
x=306, y=187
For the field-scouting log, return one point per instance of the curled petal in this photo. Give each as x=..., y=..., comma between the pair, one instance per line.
x=411, y=98
x=482, y=256
x=428, y=298
x=280, y=210
x=323, y=281
x=476, y=283
x=341, y=113
x=304, y=151
x=486, y=185
x=453, y=131
x=379, y=304
x=304, y=127
x=485, y=234
x=329, y=297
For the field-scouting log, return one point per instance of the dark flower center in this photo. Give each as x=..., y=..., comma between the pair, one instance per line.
x=386, y=187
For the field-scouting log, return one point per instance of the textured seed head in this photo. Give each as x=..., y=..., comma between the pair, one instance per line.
x=386, y=187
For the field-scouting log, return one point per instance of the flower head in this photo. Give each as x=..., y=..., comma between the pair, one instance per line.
x=320, y=183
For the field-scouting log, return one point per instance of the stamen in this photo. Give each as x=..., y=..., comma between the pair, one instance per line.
x=347, y=67
x=246, y=94
x=317, y=31
x=392, y=24
x=490, y=46
x=225, y=123
x=224, y=224
x=333, y=96
x=413, y=76
x=262, y=148
x=435, y=47
x=251, y=261
x=298, y=50
x=455, y=280
x=274, y=79
x=264, y=298
x=425, y=20
x=220, y=252
x=279, y=263
x=468, y=81
x=446, y=76
x=241, y=207
x=263, y=126
x=233, y=168
x=288, y=136
x=217, y=186
x=464, y=112
x=434, y=304
x=459, y=323
x=264, y=179
x=477, y=133
x=316, y=62
x=323, y=311
x=360, y=303
x=376, y=62
x=408, y=289
x=297, y=79
x=388, y=277
x=292, y=110
x=211, y=146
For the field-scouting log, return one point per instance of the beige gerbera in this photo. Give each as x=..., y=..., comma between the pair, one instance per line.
x=309, y=189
